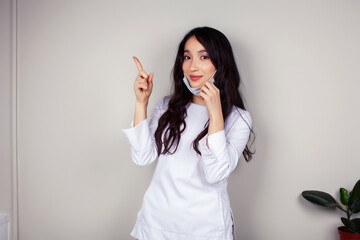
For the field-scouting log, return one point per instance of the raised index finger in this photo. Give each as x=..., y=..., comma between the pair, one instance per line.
x=138, y=64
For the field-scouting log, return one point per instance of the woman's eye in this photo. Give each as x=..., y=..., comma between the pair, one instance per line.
x=186, y=57
x=204, y=57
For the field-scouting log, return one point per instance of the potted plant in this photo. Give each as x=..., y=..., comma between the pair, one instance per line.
x=351, y=205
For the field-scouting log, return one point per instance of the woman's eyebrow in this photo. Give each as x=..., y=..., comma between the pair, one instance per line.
x=187, y=51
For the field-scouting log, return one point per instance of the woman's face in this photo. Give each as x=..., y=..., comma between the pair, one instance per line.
x=197, y=65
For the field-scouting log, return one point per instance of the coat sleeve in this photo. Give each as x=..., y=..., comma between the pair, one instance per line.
x=141, y=138
x=225, y=149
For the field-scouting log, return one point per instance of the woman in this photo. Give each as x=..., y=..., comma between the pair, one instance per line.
x=198, y=134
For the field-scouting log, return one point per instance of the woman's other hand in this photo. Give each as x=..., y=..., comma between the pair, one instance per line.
x=143, y=84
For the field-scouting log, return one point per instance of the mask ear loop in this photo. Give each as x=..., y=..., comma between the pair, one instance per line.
x=212, y=77
x=214, y=73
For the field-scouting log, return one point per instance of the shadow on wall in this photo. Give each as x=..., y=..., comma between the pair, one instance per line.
x=245, y=181
x=244, y=189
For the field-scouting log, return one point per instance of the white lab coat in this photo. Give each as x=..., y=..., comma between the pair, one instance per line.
x=187, y=198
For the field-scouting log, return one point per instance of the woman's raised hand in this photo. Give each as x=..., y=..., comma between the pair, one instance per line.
x=211, y=95
x=143, y=84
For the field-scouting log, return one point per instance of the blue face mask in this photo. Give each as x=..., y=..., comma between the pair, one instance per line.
x=196, y=91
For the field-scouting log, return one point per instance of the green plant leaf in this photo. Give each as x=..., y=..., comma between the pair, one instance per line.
x=355, y=193
x=353, y=225
x=355, y=206
x=320, y=198
x=344, y=196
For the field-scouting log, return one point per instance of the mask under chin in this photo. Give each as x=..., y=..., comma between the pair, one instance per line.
x=196, y=91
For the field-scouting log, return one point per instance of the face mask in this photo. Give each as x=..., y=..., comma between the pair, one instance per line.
x=196, y=91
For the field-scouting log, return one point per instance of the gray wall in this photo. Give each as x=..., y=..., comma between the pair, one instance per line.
x=7, y=202
x=5, y=106
x=299, y=64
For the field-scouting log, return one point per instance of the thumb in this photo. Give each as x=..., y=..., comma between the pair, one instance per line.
x=150, y=81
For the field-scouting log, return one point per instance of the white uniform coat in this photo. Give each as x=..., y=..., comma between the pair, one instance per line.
x=187, y=198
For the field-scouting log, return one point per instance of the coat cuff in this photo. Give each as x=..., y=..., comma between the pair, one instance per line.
x=216, y=150
x=139, y=136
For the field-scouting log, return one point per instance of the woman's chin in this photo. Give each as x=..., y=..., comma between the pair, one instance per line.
x=196, y=85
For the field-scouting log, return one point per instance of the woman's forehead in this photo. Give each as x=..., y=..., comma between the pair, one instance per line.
x=193, y=45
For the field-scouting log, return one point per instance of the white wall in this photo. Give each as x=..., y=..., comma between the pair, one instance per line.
x=299, y=64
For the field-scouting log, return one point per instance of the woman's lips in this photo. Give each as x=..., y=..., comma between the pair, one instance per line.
x=195, y=77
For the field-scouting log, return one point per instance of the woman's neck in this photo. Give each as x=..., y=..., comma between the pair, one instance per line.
x=198, y=100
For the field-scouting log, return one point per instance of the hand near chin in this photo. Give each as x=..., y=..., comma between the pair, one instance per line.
x=211, y=95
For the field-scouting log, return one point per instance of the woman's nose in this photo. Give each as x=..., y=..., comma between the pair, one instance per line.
x=194, y=65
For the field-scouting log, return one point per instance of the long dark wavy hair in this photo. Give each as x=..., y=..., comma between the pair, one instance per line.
x=227, y=79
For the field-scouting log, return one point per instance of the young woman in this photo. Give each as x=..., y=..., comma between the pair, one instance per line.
x=198, y=134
